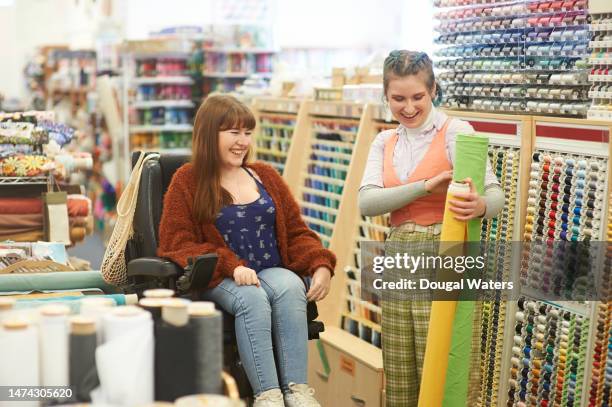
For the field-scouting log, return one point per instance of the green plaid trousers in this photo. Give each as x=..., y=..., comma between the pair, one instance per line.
x=405, y=322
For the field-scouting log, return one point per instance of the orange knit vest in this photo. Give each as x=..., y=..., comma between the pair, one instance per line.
x=429, y=209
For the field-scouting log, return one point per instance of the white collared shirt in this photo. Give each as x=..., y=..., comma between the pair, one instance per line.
x=410, y=150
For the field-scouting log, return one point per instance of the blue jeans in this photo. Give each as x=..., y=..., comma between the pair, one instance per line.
x=271, y=327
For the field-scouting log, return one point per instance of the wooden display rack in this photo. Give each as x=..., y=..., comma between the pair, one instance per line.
x=278, y=116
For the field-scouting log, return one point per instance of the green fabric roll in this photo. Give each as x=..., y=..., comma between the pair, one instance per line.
x=60, y=281
x=72, y=301
x=471, y=155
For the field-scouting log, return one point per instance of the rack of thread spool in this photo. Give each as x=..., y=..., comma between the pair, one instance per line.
x=554, y=344
x=361, y=313
x=514, y=57
x=509, y=149
x=276, y=121
x=601, y=61
x=318, y=162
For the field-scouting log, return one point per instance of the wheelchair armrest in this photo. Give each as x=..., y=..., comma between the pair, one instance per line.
x=153, y=267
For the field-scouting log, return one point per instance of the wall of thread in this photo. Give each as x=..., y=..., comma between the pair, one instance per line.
x=330, y=147
x=508, y=136
x=227, y=68
x=277, y=119
x=548, y=357
x=527, y=56
x=104, y=346
x=161, y=105
x=601, y=61
x=568, y=183
x=362, y=314
x=35, y=156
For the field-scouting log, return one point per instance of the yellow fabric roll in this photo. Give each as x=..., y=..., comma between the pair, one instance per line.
x=442, y=312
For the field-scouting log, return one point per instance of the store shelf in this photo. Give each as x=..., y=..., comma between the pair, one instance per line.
x=239, y=50
x=23, y=180
x=174, y=80
x=237, y=75
x=162, y=128
x=149, y=104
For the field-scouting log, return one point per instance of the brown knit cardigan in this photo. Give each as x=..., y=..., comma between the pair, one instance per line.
x=181, y=236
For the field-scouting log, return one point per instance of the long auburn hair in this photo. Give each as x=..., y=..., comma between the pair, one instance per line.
x=217, y=113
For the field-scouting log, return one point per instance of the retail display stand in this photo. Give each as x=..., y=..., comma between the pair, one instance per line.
x=601, y=62
x=226, y=68
x=161, y=110
x=571, y=156
x=276, y=121
x=514, y=57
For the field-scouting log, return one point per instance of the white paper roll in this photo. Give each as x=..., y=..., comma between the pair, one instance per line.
x=54, y=330
x=125, y=360
x=19, y=358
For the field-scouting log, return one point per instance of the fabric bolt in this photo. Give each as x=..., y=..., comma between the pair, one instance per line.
x=32, y=236
x=20, y=223
x=46, y=282
x=78, y=205
x=20, y=206
x=82, y=364
x=471, y=161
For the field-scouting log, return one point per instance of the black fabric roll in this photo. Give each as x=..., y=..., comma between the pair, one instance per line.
x=209, y=353
x=82, y=365
x=175, y=361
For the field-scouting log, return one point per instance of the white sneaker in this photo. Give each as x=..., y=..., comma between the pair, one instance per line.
x=269, y=398
x=300, y=395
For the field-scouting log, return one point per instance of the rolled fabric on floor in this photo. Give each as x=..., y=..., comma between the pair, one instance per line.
x=83, y=342
x=445, y=351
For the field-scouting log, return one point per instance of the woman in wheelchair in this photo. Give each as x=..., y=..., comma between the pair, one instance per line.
x=245, y=213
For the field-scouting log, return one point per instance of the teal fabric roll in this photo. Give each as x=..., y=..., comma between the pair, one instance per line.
x=49, y=282
x=71, y=301
x=471, y=155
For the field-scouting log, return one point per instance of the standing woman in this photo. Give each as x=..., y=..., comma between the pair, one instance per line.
x=246, y=214
x=407, y=175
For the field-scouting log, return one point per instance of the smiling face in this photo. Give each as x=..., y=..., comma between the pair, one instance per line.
x=410, y=100
x=234, y=144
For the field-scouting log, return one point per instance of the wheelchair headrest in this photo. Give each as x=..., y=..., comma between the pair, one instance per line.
x=168, y=164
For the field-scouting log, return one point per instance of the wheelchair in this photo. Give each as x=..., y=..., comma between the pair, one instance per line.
x=145, y=270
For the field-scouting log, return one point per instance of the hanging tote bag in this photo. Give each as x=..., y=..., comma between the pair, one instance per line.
x=114, y=267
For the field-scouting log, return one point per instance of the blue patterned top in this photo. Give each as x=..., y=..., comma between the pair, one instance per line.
x=250, y=230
